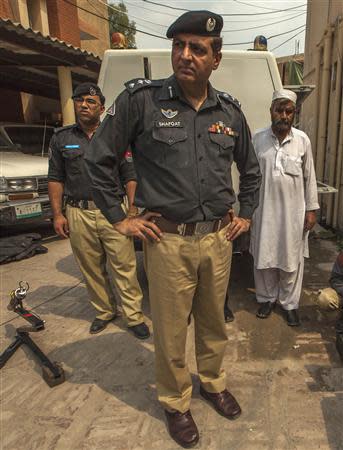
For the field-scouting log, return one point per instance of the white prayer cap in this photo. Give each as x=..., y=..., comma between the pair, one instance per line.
x=285, y=93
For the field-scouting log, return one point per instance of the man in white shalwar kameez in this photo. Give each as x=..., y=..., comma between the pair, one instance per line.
x=286, y=211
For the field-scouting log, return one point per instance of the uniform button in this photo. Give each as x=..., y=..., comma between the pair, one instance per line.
x=202, y=181
x=199, y=135
x=170, y=141
x=201, y=158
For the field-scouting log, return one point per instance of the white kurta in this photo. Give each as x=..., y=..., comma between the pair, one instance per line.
x=288, y=189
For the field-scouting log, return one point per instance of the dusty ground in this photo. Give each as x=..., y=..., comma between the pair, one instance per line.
x=289, y=381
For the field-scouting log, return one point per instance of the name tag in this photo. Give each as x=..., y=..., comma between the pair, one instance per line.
x=72, y=146
x=169, y=124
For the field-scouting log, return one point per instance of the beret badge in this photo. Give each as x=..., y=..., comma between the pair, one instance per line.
x=210, y=24
x=92, y=91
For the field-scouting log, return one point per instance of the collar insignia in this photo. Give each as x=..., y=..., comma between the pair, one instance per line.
x=169, y=113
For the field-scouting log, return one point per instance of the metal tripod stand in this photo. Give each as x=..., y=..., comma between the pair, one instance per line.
x=52, y=372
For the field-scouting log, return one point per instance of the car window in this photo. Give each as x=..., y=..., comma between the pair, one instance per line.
x=31, y=138
x=6, y=145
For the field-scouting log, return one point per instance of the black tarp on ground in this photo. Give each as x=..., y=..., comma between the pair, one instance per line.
x=14, y=248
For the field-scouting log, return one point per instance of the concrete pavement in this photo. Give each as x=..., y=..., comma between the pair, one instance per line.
x=289, y=381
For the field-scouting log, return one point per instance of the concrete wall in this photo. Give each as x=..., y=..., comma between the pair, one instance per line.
x=321, y=115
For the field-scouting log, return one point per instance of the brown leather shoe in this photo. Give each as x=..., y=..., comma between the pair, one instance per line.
x=224, y=403
x=182, y=428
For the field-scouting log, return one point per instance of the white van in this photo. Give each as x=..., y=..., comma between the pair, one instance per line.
x=250, y=76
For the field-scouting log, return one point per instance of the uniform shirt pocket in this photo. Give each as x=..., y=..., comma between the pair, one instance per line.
x=170, y=144
x=73, y=160
x=169, y=136
x=223, y=140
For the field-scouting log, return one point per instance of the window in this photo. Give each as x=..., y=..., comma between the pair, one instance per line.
x=33, y=140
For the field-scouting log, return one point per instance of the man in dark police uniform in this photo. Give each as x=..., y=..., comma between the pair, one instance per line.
x=93, y=240
x=184, y=137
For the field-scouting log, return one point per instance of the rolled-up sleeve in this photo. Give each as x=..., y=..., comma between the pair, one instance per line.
x=103, y=157
x=249, y=170
x=126, y=168
x=56, y=163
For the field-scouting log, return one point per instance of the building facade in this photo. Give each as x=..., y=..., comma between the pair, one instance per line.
x=322, y=112
x=58, y=43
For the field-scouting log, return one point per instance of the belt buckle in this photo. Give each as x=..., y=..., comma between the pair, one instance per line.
x=202, y=228
x=181, y=228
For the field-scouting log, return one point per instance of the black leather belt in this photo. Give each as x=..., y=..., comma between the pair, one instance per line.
x=82, y=204
x=194, y=228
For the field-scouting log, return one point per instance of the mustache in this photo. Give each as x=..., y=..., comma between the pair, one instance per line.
x=281, y=122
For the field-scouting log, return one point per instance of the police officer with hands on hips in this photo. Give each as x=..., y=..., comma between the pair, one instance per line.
x=93, y=240
x=184, y=137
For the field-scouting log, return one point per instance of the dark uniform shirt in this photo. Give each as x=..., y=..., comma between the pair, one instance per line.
x=182, y=157
x=66, y=164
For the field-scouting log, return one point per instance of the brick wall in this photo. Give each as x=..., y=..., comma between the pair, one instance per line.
x=5, y=9
x=63, y=21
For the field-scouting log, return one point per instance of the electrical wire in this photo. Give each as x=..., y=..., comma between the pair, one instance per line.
x=263, y=7
x=224, y=31
x=226, y=20
x=165, y=38
x=292, y=37
x=286, y=32
x=150, y=10
x=226, y=15
x=114, y=8
x=270, y=37
x=264, y=25
x=108, y=20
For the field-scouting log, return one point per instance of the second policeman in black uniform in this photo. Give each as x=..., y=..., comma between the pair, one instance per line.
x=184, y=136
x=94, y=242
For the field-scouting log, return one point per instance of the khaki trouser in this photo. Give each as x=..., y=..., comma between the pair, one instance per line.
x=188, y=274
x=329, y=300
x=94, y=243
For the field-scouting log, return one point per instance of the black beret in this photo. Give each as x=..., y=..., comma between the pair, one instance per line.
x=203, y=23
x=88, y=89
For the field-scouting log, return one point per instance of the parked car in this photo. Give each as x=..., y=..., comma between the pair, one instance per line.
x=23, y=174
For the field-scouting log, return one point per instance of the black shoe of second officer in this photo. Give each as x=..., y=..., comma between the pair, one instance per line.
x=265, y=310
x=98, y=325
x=141, y=331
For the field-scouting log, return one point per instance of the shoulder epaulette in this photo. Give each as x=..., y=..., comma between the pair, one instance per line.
x=139, y=83
x=67, y=127
x=229, y=98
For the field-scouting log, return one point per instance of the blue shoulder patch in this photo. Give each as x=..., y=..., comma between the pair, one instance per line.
x=138, y=83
